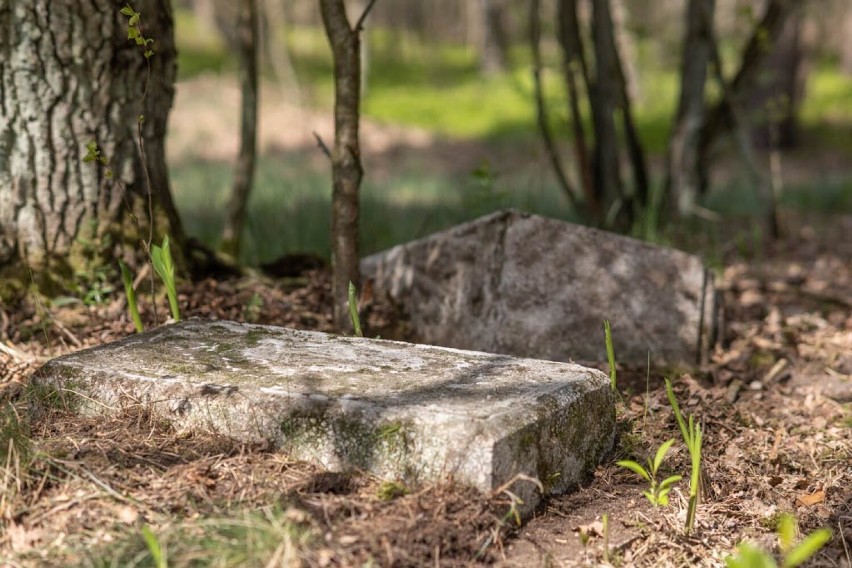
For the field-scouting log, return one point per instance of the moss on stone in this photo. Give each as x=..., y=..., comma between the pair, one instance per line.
x=349, y=437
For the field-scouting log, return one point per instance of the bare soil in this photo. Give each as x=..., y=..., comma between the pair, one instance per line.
x=775, y=402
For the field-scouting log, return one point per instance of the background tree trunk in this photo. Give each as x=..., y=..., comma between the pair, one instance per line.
x=69, y=76
x=492, y=40
x=780, y=89
x=346, y=155
x=682, y=175
x=604, y=96
x=541, y=107
x=574, y=66
x=721, y=118
x=846, y=43
x=247, y=53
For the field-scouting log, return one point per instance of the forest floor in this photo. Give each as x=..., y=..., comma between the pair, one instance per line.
x=775, y=402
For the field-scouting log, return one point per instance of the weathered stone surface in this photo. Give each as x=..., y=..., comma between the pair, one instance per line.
x=403, y=411
x=530, y=286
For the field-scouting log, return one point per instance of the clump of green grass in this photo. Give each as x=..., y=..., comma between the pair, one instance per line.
x=421, y=201
x=15, y=457
x=692, y=437
x=161, y=258
x=130, y=294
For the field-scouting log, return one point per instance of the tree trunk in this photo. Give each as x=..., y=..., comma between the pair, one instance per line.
x=635, y=150
x=780, y=89
x=69, y=76
x=604, y=96
x=720, y=119
x=247, y=52
x=492, y=38
x=574, y=65
x=846, y=42
x=541, y=107
x=682, y=176
x=346, y=154
x=273, y=52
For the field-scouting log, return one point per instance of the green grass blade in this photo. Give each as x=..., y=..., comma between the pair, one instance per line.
x=154, y=547
x=661, y=454
x=694, y=447
x=610, y=354
x=749, y=556
x=353, y=311
x=786, y=532
x=808, y=547
x=676, y=408
x=635, y=468
x=664, y=484
x=132, y=307
x=161, y=258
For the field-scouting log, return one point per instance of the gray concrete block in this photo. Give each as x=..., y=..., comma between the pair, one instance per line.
x=529, y=286
x=405, y=412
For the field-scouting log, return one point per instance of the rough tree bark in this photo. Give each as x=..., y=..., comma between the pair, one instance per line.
x=682, y=176
x=247, y=53
x=68, y=76
x=346, y=154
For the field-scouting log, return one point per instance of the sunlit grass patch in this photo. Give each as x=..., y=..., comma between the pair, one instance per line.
x=200, y=50
x=289, y=208
x=265, y=537
x=269, y=536
x=828, y=96
x=411, y=81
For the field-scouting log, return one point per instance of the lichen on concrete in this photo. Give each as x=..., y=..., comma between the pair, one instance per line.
x=409, y=413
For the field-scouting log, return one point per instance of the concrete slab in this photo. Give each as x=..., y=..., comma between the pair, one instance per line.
x=405, y=412
x=530, y=286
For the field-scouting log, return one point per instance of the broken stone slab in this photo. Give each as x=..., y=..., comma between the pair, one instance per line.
x=530, y=286
x=405, y=412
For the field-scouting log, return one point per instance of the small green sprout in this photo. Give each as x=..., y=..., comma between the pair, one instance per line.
x=253, y=308
x=154, y=547
x=658, y=492
x=161, y=257
x=692, y=437
x=610, y=354
x=353, y=311
x=132, y=307
x=749, y=556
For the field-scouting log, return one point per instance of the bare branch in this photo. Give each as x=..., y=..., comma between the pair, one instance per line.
x=322, y=145
x=360, y=24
